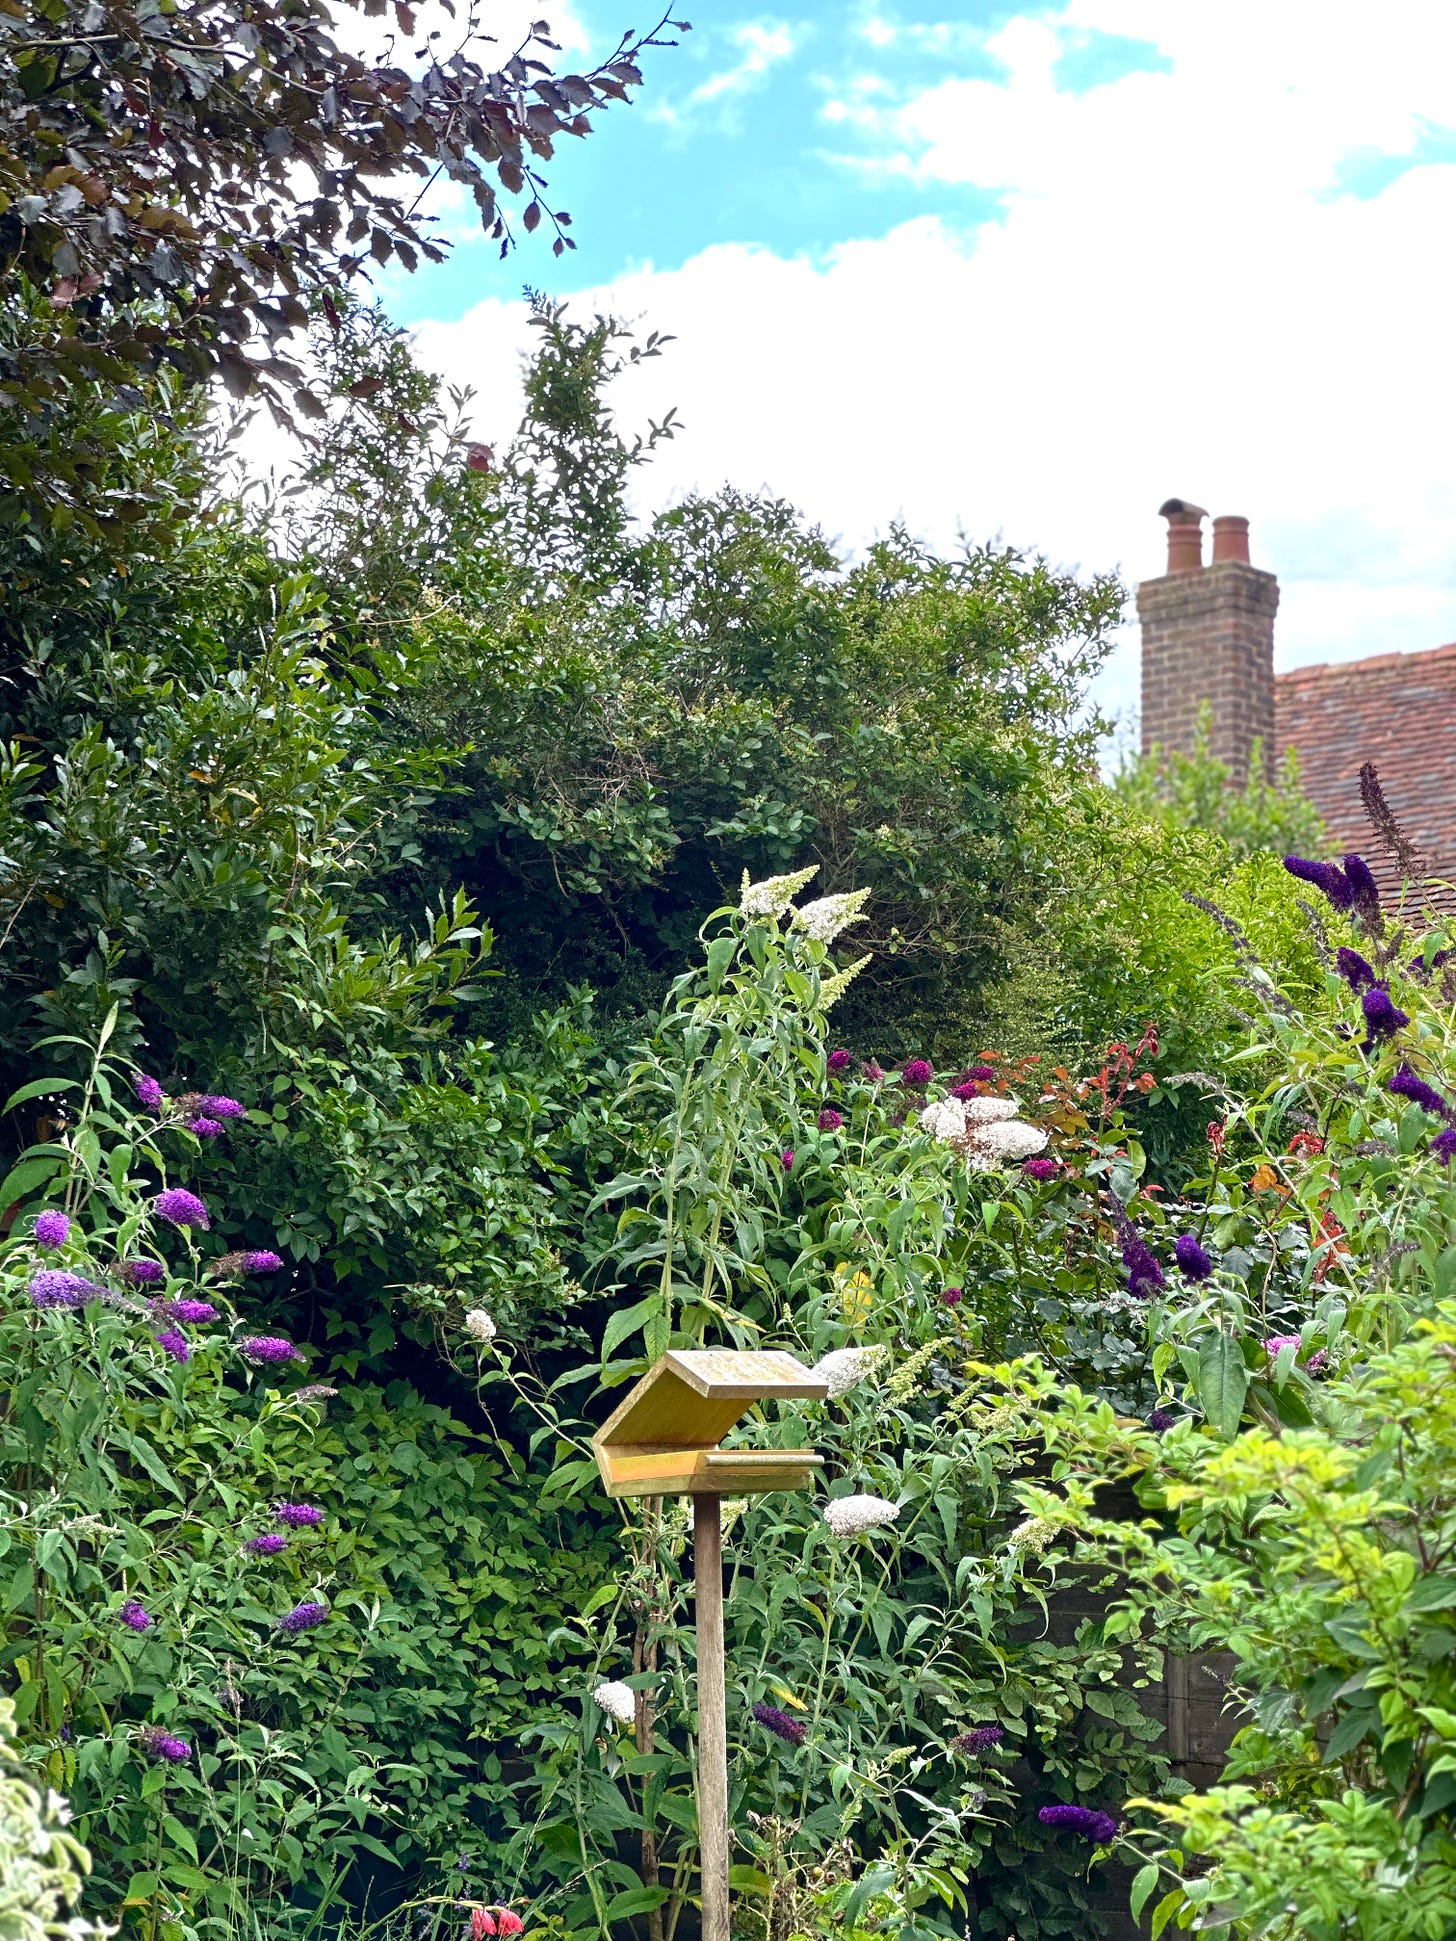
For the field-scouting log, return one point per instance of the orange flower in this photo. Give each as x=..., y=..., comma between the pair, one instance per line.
x=1265, y=1180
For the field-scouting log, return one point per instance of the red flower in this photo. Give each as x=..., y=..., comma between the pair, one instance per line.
x=481, y=1924
x=507, y=1923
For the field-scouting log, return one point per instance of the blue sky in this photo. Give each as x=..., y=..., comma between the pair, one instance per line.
x=1026, y=271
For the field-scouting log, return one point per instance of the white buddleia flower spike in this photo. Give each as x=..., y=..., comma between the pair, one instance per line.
x=831, y=989
x=824, y=920
x=479, y=1326
x=1006, y=1142
x=945, y=1119
x=844, y=1368
x=985, y=1111
x=774, y=894
x=848, y=1516
x=617, y=1699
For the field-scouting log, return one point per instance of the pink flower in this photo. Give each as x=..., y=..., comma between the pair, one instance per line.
x=830, y=1120
x=482, y=1923
x=507, y=1923
x=950, y=1296
x=838, y=1061
x=1040, y=1168
x=786, y=1158
x=873, y=1070
x=1277, y=1343
x=917, y=1071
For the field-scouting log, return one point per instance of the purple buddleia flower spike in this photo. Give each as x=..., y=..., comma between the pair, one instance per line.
x=143, y=1273
x=1328, y=878
x=303, y=1617
x=267, y=1545
x=1085, y=1820
x=262, y=1260
x=1443, y=1147
x=193, y=1312
x=830, y=1120
x=166, y=1745
x=979, y=1739
x=1408, y=1084
x=54, y=1287
x=1194, y=1263
x=792, y=1731
x=52, y=1228
x=1161, y=1420
x=1382, y=1017
x=216, y=1106
x=1364, y=890
x=1354, y=969
x=149, y=1092
x=135, y=1616
x=206, y=1128
x=298, y=1516
x=181, y=1208
x=174, y=1343
x=268, y=1348
x=917, y=1072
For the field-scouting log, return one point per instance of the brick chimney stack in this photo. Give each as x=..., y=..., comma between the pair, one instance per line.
x=1208, y=635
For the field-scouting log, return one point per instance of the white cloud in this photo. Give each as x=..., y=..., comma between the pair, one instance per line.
x=1173, y=301
x=761, y=45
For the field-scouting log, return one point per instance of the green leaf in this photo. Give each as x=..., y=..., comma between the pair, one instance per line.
x=749, y=1880
x=1166, y=1908
x=39, y=1088
x=1431, y=1594
x=1223, y=1382
x=1144, y=1881
x=1351, y=1729
x=626, y=1321
x=23, y=1180
x=638, y=1900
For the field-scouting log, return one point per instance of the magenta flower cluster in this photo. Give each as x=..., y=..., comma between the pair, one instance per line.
x=149, y=1092
x=830, y=1120
x=917, y=1072
x=166, y=1745
x=838, y=1061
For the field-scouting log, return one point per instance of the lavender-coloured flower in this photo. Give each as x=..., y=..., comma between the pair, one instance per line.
x=206, y=1128
x=979, y=1739
x=1161, y=1420
x=173, y=1342
x=1443, y=1146
x=1195, y=1263
x=838, y=1061
x=298, y=1516
x=303, y=1617
x=950, y=1297
x=181, y=1208
x=265, y=1349
x=262, y=1260
x=1328, y=878
x=268, y=1545
x=1275, y=1344
x=1353, y=968
x=166, y=1745
x=193, y=1312
x=1382, y=1018
x=793, y=1731
x=52, y=1228
x=135, y=1616
x=1364, y=890
x=217, y=1106
x=830, y=1120
x=786, y=1159
x=54, y=1287
x=917, y=1072
x=143, y=1273
x=149, y=1092
x=1041, y=1169
x=1408, y=1084
x=1085, y=1820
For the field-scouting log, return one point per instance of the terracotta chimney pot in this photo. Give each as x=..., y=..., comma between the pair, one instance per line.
x=1185, y=535
x=1230, y=538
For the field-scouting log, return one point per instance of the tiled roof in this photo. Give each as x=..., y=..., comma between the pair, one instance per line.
x=1396, y=710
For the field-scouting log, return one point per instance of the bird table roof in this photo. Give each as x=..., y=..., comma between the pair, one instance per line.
x=693, y=1396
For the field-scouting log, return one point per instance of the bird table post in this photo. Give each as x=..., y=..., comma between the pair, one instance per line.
x=663, y=1441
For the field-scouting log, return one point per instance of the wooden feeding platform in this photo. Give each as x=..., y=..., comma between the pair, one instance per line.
x=663, y=1439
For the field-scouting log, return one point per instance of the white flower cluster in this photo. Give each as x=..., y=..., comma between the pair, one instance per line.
x=945, y=1120
x=824, y=920
x=774, y=894
x=843, y=1368
x=847, y=1516
x=617, y=1699
x=1032, y=1535
x=479, y=1326
x=986, y=1130
x=1003, y=1143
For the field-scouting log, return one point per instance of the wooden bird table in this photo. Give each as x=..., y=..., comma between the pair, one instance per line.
x=663, y=1441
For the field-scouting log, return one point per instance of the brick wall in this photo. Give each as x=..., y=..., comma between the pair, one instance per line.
x=1208, y=635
